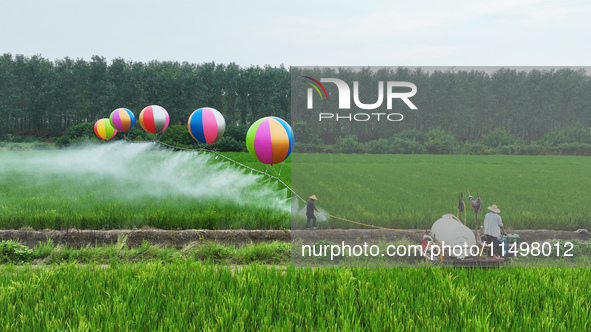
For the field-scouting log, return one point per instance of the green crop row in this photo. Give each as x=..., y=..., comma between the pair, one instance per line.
x=186, y=296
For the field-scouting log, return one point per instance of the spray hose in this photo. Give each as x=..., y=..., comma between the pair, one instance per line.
x=280, y=181
x=231, y=160
x=380, y=227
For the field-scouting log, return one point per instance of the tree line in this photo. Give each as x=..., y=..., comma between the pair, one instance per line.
x=469, y=104
x=39, y=97
x=43, y=98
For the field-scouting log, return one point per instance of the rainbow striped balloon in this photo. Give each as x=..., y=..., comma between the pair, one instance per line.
x=270, y=140
x=206, y=125
x=154, y=119
x=104, y=130
x=122, y=119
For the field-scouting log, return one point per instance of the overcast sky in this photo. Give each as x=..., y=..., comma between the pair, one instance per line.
x=346, y=33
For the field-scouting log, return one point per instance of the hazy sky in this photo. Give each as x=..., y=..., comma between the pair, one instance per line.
x=448, y=33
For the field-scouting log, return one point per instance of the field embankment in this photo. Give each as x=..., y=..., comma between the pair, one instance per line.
x=180, y=238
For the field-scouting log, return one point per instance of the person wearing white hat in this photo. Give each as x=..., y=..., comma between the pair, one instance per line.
x=493, y=227
x=310, y=208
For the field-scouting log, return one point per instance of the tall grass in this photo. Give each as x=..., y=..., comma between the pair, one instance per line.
x=185, y=296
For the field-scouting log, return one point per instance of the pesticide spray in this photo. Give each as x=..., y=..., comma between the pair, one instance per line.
x=145, y=170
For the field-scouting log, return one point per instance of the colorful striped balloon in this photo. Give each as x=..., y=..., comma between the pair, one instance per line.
x=154, y=119
x=270, y=140
x=104, y=130
x=122, y=119
x=206, y=125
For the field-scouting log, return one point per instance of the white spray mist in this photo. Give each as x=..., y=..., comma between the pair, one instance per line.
x=135, y=170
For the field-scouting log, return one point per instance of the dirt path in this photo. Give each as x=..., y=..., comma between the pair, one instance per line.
x=178, y=239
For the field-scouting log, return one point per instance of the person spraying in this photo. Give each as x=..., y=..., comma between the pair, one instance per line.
x=310, y=208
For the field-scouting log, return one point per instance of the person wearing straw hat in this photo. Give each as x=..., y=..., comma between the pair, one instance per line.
x=310, y=208
x=493, y=228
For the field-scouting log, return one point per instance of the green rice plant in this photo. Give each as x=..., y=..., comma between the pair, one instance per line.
x=186, y=295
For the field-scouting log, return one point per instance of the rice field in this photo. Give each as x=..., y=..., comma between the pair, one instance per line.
x=404, y=191
x=133, y=186
x=114, y=186
x=188, y=296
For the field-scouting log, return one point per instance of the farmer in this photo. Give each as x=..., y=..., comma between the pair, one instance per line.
x=310, y=208
x=493, y=227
